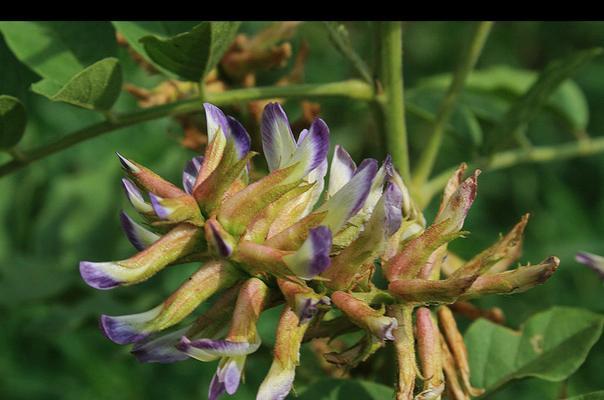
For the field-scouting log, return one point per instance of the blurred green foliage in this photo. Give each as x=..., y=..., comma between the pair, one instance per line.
x=65, y=208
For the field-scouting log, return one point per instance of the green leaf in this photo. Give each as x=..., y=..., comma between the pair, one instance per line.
x=16, y=77
x=523, y=110
x=567, y=101
x=599, y=395
x=12, y=121
x=133, y=31
x=340, y=389
x=551, y=345
x=192, y=55
x=95, y=88
x=58, y=50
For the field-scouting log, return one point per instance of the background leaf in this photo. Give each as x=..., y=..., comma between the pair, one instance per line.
x=193, y=54
x=551, y=345
x=12, y=121
x=589, y=396
x=508, y=83
x=95, y=88
x=523, y=110
x=59, y=50
x=133, y=31
x=340, y=389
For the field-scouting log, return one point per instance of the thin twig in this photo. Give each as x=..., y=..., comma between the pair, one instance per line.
x=510, y=158
x=352, y=89
x=391, y=100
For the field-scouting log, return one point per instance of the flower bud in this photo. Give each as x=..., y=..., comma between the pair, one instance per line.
x=302, y=299
x=404, y=344
x=515, y=281
x=200, y=286
x=430, y=356
x=278, y=382
x=163, y=348
x=149, y=180
x=364, y=316
x=431, y=291
x=177, y=209
x=454, y=345
x=181, y=241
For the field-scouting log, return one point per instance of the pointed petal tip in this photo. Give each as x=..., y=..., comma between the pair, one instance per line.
x=119, y=332
x=92, y=273
x=127, y=164
x=161, y=211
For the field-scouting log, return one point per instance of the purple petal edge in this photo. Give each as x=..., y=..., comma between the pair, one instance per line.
x=131, y=190
x=190, y=172
x=128, y=227
x=119, y=332
x=224, y=248
x=321, y=244
x=95, y=278
x=240, y=137
x=319, y=134
x=273, y=114
x=160, y=210
x=344, y=157
x=393, y=198
x=216, y=116
x=366, y=171
x=217, y=388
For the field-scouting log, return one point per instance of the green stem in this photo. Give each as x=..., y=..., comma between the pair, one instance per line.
x=391, y=100
x=428, y=157
x=507, y=159
x=353, y=89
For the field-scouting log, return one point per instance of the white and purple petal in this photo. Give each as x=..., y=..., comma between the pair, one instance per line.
x=347, y=201
x=313, y=256
x=383, y=327
x=229, y=372
x=217, y=388
x=308, y=306
x=277, y=384
x=593, y=261
x=135, y=197
x=98, y=275
x=126, y=329
x=140, y=237
x=189, y=174
x=240, y=137
x=160, y=349
x=278, y=141
x=392, y=208
x=312, y=150
x=215, y=121
x=160, y=210
x=342, y=170
x=210, y=349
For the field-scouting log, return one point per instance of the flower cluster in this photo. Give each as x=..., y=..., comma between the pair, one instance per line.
x=283, y=239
